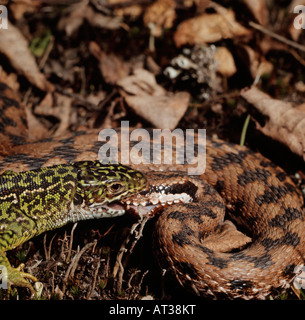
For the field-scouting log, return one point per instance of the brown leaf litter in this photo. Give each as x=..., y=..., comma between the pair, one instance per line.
x=284, y=122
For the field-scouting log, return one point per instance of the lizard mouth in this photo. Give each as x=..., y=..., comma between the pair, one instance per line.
x=97, y=211
x=152, y=203
x=140, y=205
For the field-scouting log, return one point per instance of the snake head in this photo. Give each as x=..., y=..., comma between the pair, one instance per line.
x=100, y=184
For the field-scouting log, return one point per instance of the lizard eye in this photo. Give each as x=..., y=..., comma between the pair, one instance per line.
x=115, y=188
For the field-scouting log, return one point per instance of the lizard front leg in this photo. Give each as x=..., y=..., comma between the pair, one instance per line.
x=15, y=276
x=14, y=231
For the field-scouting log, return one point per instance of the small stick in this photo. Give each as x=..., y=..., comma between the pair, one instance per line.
x=71, y=242
x=47, y=252
x=72, y=267
x=94, y=279
x=277, y=36
x=118, y=269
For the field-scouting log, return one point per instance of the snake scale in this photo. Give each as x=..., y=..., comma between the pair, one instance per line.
x=258, y=196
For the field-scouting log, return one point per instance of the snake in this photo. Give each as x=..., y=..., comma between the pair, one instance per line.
x=190, y=231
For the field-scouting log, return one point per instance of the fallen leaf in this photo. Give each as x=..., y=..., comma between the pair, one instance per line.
x=225, y=62
x=267, y=44
x=152, y=65
x=125, y=8
x=152, y=102
x=19, y=8
x=294, y=32
x=15, y=47
x=284, y=123
x=259, y=10
x=62, y=72
x=209, y=28
x=96, y=98
x=37, y=130
x=74, y=16
x=112, y=67
x=256, y=63
x=163, y=112
x=300, y=86
x=61, y=111
x=100, y=20
x=11, y=80
x=141, y=83
x=160, y=15
x=63, y=106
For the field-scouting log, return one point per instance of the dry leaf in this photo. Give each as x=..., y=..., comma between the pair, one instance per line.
x=96, y=98
x=15, y=47
x=130, y=10
x=149, y=100
x=257, y=64
x=259, y=10
x=99, y=20
x=61, y=111
x=159, y=15
x=284, y=123
x=55, y=67
x=225, y=61
x=123, y=7
x=11, y=80
x=112, y=67
x=141, y=83
x=300, y=86
x=267, y=44
x=294, y=32
x=163, y=112
x=209, y=28
x=63, y=106
x=77, y=13
x=19, y=8
x=37, y=130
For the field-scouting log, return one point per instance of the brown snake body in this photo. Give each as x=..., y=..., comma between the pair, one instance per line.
x=259, y=196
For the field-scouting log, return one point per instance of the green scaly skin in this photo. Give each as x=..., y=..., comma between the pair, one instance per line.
x=36, y=201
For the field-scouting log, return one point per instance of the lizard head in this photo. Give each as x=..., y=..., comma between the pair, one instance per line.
x=101, y=187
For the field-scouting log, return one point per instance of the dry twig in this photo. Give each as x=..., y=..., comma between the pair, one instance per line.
x=277, y=36
x=94, y=279
x=73, y=265
x=47, y=252
x=118, y=270
x=70, y=243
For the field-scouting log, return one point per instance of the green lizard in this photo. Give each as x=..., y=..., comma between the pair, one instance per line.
x=36, y=201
